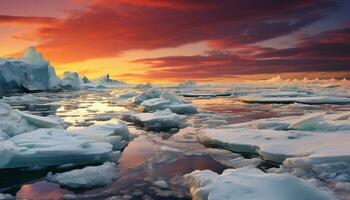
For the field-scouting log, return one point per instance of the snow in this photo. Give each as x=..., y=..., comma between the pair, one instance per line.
x=251, y=184
x=14, y=122
x=86, y=178
x=52, y=147
x=117, y=134
x=159, y=120
x=71, y=81
x=29, y=73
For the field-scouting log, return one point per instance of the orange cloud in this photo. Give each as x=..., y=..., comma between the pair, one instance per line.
x=7, y=19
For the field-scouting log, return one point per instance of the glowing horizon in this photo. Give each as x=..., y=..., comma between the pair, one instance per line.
x=177, y=40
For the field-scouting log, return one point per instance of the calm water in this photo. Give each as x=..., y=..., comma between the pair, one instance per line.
x=143, y=161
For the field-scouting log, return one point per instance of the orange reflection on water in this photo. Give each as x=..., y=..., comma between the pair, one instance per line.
x=40, y=190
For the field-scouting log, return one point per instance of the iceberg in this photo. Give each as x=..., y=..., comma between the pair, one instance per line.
x=87, y=177
x=159, y=120
x=187, y=84
x=71, y=81
x=144, y=86
x=107, y=81
x=251, y=184
x=29, y=73
x=84, y=79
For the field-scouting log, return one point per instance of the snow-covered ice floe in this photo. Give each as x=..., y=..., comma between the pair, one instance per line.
x=155, y=99
x=159, y=120
x=116, y=134
x=28, y=141
x=52, y=147
x=87, y=177
x=312, y=146
x=14, y=122
x=251, y=184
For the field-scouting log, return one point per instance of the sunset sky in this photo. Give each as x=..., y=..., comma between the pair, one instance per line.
x=176, y=40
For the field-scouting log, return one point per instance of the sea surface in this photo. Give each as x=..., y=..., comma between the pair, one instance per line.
x=150, y=156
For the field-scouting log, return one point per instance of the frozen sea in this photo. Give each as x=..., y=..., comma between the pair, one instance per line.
x=168, y=155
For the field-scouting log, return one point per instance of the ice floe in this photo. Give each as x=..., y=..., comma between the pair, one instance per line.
x=14, y=122
x=116, y=134
x=87, y=177
x=251, y=184
x=163, y=100
x=52, y=147
x=159, y=120
x=148, y=94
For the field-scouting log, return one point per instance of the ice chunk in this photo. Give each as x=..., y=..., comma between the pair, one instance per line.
x=14, y=122
x=251, y=184
x=52, y=147
x=161, y=184
x=127, y=95
x=154, y=104
x=160, y=120
x=279, y=145
x=70, y=81
x=167, y=100
x=117, y=134
x=7, y=151
x=144, y=86
x=6, y=196
x=149, y=94
x=86, y=178
x=171, y=97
